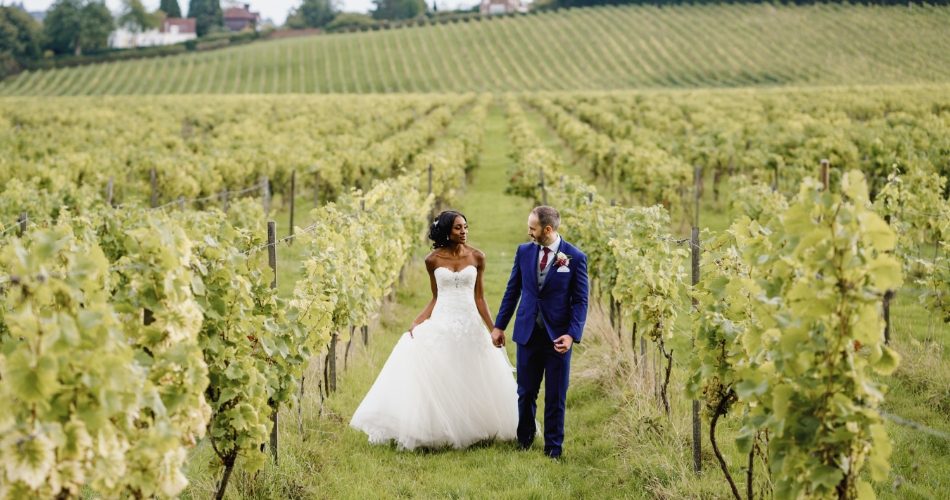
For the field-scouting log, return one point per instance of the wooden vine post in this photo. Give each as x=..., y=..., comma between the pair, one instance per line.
x=698, y=183
x=22, y=221
x=153, y=180
x=316, y=189
x=303, y=435
x=181, y=203
x=432, y=212
x=697, y=425
x=331, y=363
x=544, y=192
x=110, y=187
x=224, y=201
x=293, y=197
x=265, y=195
x=272, y=261
x=824, y=175
x=349, y=344
x=886, y=306
x=889, y=296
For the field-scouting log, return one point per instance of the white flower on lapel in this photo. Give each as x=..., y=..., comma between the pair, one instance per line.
x=561, y=262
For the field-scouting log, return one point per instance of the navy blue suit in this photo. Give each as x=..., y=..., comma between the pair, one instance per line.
x=562, y=304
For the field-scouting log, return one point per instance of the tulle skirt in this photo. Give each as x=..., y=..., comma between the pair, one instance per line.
x=447, y=386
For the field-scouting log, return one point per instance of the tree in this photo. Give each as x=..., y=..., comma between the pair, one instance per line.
x=72, y=25
x=20, y=39
x=96, y=23
x=399, y=9
x=62, y=26
x=312, y=14
x=207, y=14
x=170, y=8
x=137, y=19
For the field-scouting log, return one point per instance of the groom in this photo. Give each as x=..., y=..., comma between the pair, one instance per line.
x=550, y=278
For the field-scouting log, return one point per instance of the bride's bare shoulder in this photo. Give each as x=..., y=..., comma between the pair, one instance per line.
x=479, y=256
x=433, y=259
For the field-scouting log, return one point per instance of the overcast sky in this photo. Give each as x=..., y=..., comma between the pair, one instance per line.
x=276, y=10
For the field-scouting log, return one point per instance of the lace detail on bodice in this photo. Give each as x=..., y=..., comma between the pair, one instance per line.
x=453, y=283
x=455, y=306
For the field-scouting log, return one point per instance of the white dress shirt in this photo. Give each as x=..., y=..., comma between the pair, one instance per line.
x=554, y=246
x=542, y=275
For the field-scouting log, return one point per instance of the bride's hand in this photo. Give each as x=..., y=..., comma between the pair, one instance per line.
x=411, y=328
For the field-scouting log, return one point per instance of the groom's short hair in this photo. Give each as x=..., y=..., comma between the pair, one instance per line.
x=547, y=216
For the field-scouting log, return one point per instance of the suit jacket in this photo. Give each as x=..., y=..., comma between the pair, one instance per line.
x=561, y=301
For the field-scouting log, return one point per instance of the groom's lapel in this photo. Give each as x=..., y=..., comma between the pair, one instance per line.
x=534, y=269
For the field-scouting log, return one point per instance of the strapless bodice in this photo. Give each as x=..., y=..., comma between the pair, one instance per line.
x=456, y=283
x=456, y=303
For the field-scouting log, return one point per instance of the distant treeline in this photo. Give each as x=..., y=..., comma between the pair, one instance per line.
x=563, y=4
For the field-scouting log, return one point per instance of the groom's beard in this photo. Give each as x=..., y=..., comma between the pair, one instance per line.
x=537, y=241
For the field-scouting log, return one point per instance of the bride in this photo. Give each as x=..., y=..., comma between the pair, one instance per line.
x=445, y=383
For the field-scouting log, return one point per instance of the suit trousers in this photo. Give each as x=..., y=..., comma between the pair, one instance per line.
x=538, y=360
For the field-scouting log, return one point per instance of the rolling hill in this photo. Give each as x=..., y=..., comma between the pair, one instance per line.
x=584, y=49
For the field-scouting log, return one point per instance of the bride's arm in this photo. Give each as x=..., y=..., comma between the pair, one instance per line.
x=480, y=301
x=424, y=315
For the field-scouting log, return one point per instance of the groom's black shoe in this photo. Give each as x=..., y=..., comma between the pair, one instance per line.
x=555, y=458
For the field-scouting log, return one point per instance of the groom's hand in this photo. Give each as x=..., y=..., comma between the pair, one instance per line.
x=498, y=337
x=563, y=343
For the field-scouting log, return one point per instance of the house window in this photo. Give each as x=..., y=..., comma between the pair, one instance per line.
x=174, y=29
x=496, y=8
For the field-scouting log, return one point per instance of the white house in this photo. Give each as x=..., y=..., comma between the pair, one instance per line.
x=172, y=30
x=502, y=7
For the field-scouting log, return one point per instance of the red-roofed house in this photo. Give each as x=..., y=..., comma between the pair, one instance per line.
x=241, y=18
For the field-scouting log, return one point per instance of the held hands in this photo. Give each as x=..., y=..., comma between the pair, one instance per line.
x=498, y=337
x=563, y=343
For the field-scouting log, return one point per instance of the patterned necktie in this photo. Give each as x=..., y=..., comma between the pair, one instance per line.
x=544, y=258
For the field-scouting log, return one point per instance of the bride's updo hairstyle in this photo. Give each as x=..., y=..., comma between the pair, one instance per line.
x=441, y=228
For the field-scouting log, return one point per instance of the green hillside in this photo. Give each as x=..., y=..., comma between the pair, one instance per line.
x=596, y=48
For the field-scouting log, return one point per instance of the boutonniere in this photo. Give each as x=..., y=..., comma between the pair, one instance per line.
x=562, y=260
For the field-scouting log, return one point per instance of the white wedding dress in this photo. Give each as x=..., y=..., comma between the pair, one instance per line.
x=447, y=386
